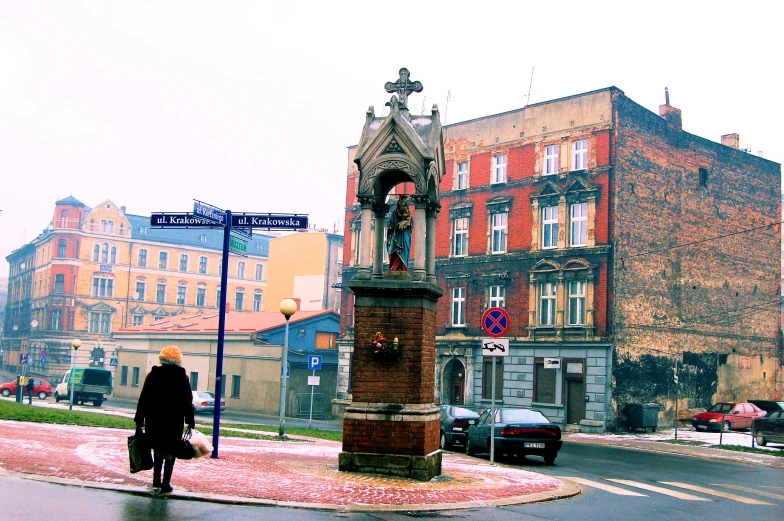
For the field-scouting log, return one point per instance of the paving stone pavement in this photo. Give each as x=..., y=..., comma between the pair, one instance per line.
x=301, y=473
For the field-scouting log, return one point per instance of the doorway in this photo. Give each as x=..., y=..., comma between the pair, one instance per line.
x=574, y=382
x=454, y=382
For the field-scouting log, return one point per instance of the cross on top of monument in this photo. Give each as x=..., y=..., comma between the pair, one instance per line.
x=403, y=86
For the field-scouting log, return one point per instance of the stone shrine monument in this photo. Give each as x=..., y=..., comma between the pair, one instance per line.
x=392, y=425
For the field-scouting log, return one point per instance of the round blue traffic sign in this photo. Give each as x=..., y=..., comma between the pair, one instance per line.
x=495, y=322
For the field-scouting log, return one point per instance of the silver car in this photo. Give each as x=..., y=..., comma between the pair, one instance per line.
x=204, y=401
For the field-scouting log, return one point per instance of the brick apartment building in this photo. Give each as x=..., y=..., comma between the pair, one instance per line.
x=618, y=243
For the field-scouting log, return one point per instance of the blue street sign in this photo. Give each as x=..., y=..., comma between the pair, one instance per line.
x=244, y=232
x=113, y=362
x=216, y=215
x=44, y=361
x=23, y=358
x=270, y=221
x=314, y=362
x=66, y=359
x=287, y=371
x=180, y=220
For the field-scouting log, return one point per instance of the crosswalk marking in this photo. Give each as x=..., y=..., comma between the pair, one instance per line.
x=660, y=490
x=751, y=490
x=603, y=486
x=712, y=492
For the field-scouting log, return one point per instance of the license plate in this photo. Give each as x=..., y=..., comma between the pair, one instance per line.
x=458, y=429
x=533, y=445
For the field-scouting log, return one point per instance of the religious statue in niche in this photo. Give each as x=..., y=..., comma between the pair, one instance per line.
x=399, y=236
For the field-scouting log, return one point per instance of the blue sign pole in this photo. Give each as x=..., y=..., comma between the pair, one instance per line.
x=221, y=334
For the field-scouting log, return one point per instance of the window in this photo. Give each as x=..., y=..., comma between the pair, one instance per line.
x=458, y=307
x=257, y=302
x=461, y=178
x=547, y=304
x=579, y=224
x=181, y=292
x=239, y=297
x=57, y=319
x=124, y=375
x=160, y=293
x=194, y=380
x=102, y=226
x=202, y=265
x=203, y=237
x=544, y=382
x=100, y=322
x=61, y=247
x=113, y=256
x=498, y=225
x=703, y=177
x=235, y=385
x=499, y=169
x=325, y=340
x=110, y=227
x=59, y=283
x=141, y=289
x=551, y=159
x=135, y=379
x=487, y=378
x=576, y=302
x=103, y=287
x=259, y=272
x=550, y=227
x=220, y=267
x=460, y=237
x=218, y=299
x=496, y=297
x=183, y=262
x=106, y=323
x=240, y=270
x=201, y=297
x=138, y=320
x=96, y=253
x=580, y=154
x=105, y=253
x=142, y=258
x=163, y=260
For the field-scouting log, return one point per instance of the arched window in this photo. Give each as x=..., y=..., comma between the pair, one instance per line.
x=96, y=253
x=102, y=227
x=240, y=270
x=259, y=272
x=110, y=227
x=105, y=253
x=113, y=258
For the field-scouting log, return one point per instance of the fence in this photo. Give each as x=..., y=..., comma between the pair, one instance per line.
x=303, y=405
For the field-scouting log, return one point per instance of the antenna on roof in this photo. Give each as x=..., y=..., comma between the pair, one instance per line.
x=666, y=96
x=528, y=101
x=448, y=97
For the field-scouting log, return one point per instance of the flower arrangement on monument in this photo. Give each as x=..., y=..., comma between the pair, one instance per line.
x=384, y=349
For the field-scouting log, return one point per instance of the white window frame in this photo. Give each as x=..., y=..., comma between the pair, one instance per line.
x=499, y=229
x=551, y=159
x=203, y=264
x=499, y=169
x=576, y=299
x=496, y=296
x=182, y=294
x=157, y=292
x=239, y=300
x=462, y=171
x=580, y=154
x=186, y=258
x=102, y=287
x=137, y=320
x=458, y=306
x=460, y=237
x=141, y=258
x=547, y=295
x=163, y=260
x=257, y=301
x=240, y=270
x=201, y=296
x=143, y=292
x=578, y=234
x=259, y=271
x=549, y=227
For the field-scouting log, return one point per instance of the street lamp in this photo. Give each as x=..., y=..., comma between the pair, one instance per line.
x=287, y=307
x=76, y=344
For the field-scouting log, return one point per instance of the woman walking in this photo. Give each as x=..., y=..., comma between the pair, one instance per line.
x=165, y=405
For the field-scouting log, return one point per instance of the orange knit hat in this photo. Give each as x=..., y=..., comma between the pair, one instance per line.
x=171, y=355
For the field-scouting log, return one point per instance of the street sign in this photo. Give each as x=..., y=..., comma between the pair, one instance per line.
x=495, y=347
x=44, y=361
x=66, y=359
x=314, y=362
x=23, y=358
x=495, y=322
x=552, y=363
x=113, y=362
x=210, y=213
x=243, y=232
x=238, y=246
x=314, y=380
x=180, y=220
x=270, y=221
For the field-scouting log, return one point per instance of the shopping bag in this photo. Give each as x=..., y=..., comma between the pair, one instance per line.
x=185, y=450
x=201, y=444
x=139, y=453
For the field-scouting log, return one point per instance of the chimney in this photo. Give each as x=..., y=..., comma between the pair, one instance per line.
x=670, y=113
x=731, y=140
x=122, y=208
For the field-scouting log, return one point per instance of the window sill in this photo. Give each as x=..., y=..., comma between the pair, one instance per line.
x=463, y=326
x=550, y=405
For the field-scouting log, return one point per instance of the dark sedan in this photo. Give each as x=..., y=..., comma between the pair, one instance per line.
x=455, y=421
x=769, y=429
x=519, y=432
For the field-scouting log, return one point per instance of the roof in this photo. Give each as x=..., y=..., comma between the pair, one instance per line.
x=71, y=200
x=236, y=322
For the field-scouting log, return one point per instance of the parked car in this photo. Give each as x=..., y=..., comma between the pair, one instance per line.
x=455, y=421
x=519, y=432
x=90, y=384
x=42, y=388
x=727, y=416
x=768, y=405
x=769, y=429
x=204, y=401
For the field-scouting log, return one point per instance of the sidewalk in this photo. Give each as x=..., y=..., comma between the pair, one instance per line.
x=301, y=473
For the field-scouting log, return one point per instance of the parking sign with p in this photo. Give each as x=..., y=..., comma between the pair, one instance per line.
x=314, y=362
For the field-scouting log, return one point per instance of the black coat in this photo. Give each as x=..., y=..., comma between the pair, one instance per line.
x=165, y=405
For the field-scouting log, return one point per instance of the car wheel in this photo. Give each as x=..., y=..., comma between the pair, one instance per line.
x=56, y=397
x=444, y=445
x=97, y=403
x=726, y=426
x=470, y=449
x=6, y=392
x=549, y=459
x=760, y=439
x=42, y=395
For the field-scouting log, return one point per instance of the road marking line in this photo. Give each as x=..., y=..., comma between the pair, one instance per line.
x=603, y=486
x=660, y=490
x=751, y=490
x=718, y=493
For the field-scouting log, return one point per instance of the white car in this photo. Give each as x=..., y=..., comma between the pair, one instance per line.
x=204, y=401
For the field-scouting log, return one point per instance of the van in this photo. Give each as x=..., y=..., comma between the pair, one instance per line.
x=91, y=384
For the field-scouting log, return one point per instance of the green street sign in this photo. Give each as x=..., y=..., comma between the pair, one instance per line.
x=238, y=246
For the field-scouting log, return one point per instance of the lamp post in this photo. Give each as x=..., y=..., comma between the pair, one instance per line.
x=76, y=344
x=287, y=307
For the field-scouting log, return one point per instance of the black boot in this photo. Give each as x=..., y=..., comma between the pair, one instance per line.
x=168, y=468
x=156, y=472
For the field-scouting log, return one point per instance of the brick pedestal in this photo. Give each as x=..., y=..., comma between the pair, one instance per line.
x=392, y=426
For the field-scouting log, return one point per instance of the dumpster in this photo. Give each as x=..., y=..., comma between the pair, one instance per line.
x=643, y=416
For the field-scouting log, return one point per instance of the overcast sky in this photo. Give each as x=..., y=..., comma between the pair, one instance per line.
x=250, y=105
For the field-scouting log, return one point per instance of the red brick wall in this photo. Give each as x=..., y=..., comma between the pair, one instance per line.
x=391, y=437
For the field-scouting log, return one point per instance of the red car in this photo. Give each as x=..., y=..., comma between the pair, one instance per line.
x=42, y=389
x=726, y=416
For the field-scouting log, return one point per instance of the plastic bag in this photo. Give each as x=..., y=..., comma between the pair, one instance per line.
x=201, y=444
x=139, y=453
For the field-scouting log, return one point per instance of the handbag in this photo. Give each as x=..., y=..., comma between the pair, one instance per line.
x=201, y=444
x=139, y=452
x=185, y=449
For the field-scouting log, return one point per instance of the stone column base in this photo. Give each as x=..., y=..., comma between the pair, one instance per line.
x=421, y=468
